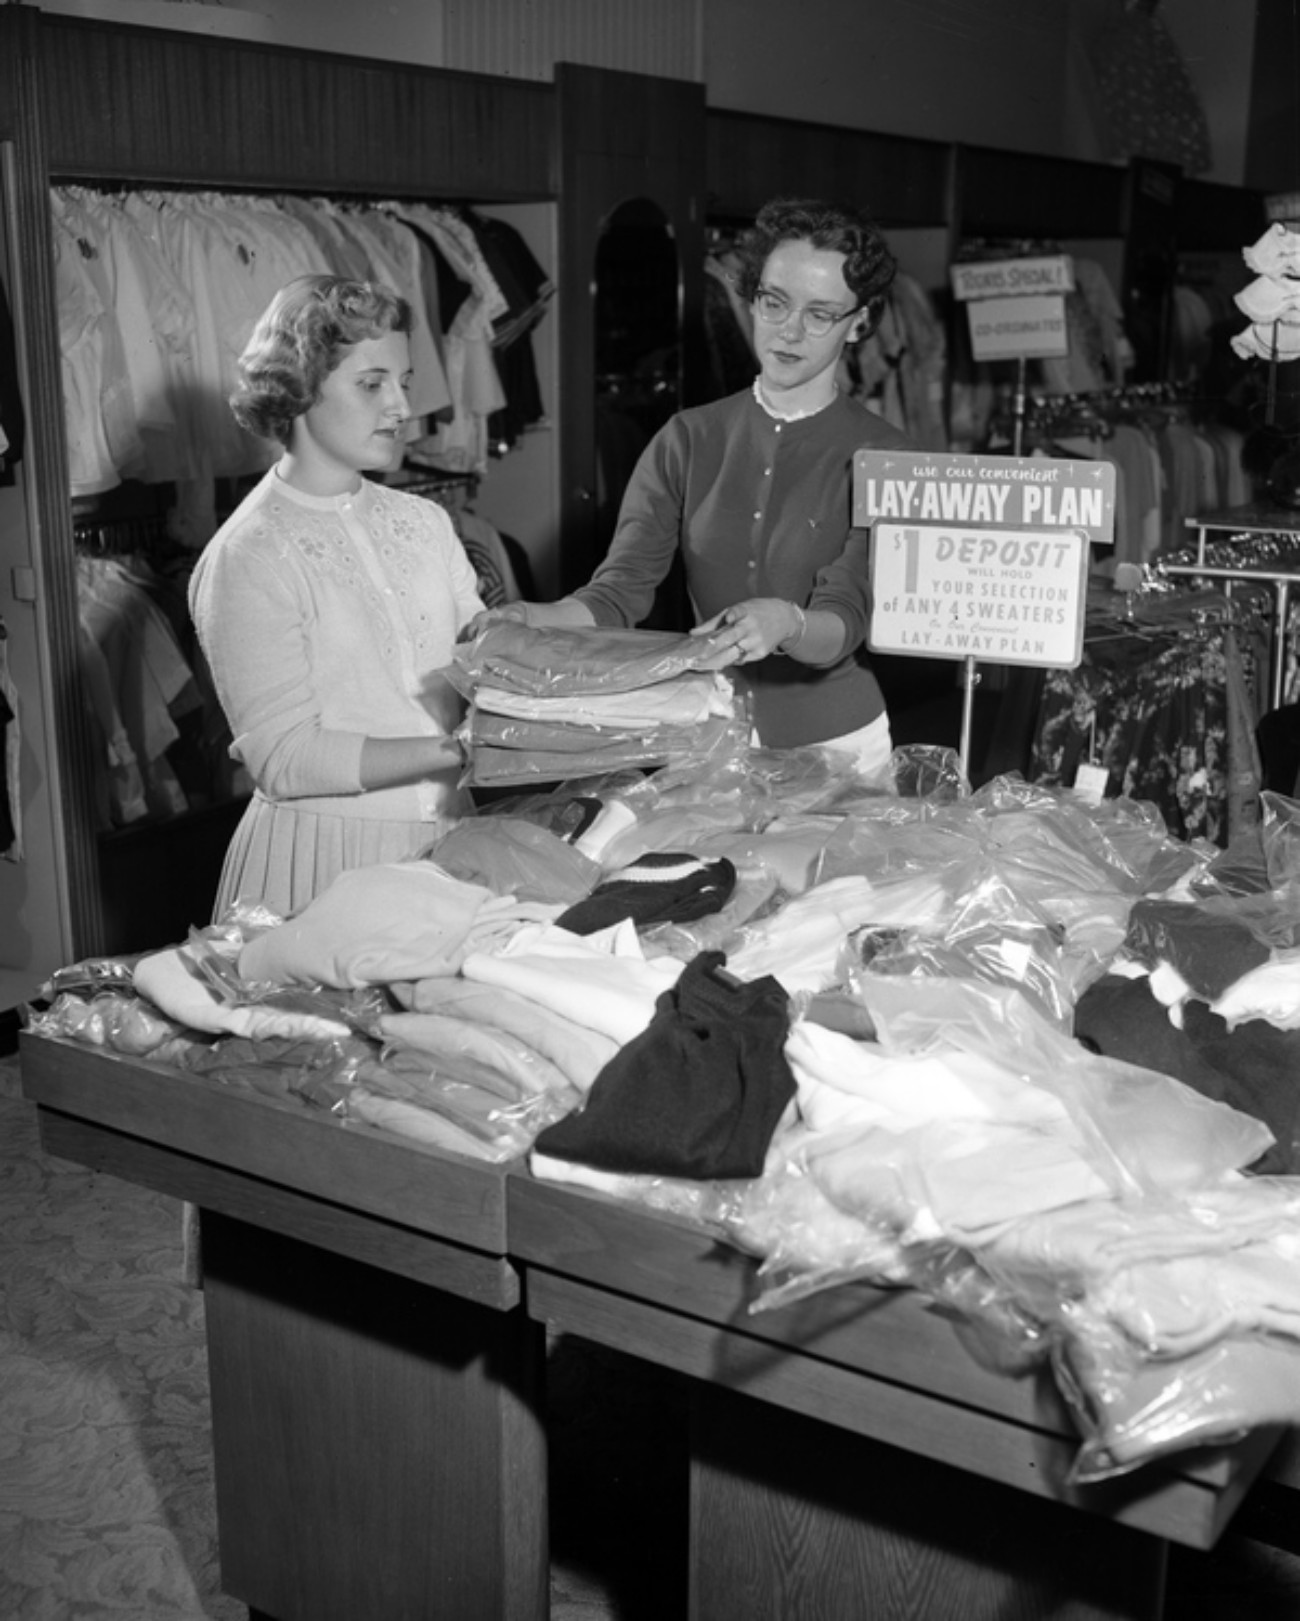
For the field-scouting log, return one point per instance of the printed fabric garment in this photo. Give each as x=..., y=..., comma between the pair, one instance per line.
x=1157, y=709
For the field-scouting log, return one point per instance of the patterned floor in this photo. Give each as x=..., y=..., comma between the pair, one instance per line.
x=106, y=1492
x=106, y=1495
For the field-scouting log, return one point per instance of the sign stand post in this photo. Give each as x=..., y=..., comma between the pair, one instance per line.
x=970, y=680
x=1019, y=407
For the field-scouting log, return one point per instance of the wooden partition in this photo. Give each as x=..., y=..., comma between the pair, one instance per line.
x=749, y=158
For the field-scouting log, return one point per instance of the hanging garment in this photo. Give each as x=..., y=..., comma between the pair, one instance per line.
x=1152, y=710
x=472, y=376
x=11, y=803
x=158, y=293
x=900, y=370
x=12, y=416
x=149, y=675
x=528, y=291
x=97, y=408
x=727, y=330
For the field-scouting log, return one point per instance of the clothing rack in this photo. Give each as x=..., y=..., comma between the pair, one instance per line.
x=121, y=537
x=415, y=480
x=1095, y=413
x=1051, y=416
x=1281, y=580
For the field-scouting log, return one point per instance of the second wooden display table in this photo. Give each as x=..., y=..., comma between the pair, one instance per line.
x=851, y=1457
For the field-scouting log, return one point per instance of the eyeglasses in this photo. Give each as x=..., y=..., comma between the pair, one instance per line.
x=773, y=310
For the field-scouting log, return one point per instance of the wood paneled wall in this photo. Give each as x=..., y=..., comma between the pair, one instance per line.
x=144, y=105
x=750, y=158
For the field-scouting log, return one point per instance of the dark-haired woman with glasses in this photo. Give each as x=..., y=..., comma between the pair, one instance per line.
x=756, y=490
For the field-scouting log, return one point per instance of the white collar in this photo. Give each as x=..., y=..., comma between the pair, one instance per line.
x=787, y=416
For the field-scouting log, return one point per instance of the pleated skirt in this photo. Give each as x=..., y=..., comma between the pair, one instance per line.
x=281, y=858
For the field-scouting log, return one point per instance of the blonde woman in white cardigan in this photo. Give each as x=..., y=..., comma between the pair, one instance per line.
x=328, y=605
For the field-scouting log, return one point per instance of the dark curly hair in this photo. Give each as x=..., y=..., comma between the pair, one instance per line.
x=869, y=266
x=299, y=340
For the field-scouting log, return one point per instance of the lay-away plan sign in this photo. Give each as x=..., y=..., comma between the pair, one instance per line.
x=982, y=557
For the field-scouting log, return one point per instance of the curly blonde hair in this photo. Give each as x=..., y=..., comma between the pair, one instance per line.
x=299, y=340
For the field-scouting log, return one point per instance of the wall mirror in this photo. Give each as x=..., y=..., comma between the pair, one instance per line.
x=637, y=302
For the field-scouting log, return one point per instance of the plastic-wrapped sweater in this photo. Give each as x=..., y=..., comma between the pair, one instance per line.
x=760, y=508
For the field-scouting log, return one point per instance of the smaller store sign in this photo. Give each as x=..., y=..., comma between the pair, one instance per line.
x=1013, y=278
x=1016, y=307
x=981, y=557
x=1018, y=328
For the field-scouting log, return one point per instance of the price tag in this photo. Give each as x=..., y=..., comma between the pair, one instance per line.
x=1017, y=956
x=1091, y=782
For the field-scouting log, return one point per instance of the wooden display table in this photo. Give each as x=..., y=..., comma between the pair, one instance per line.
x=851, y=1458
x=379, y=1455
x=375, y=1404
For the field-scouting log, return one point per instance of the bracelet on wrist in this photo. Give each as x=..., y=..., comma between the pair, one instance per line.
x=790, y=642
